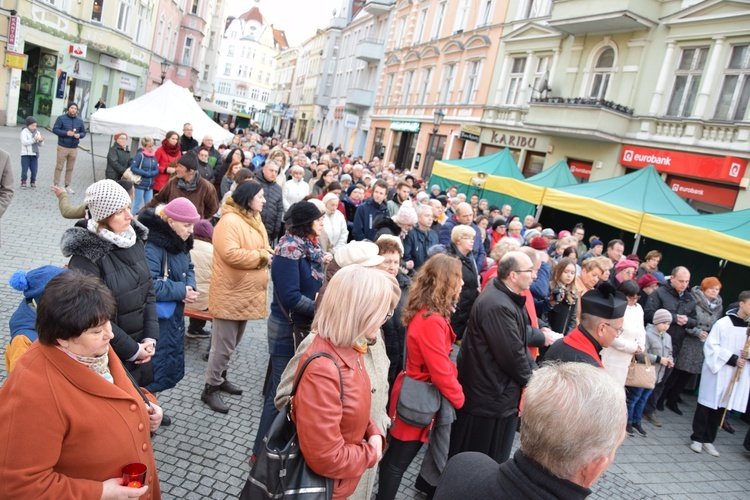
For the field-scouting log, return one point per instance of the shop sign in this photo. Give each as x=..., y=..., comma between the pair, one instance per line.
x=405, y=126
x=470, y=133
x=78, y=49
x=81, y=70
x=16, y=60
x=14, y=35
x=128, y=82
x=62, y=82
x=580, y=169
x=351, y=121
x=718, y=168
x=113, y=62
x=710, y=193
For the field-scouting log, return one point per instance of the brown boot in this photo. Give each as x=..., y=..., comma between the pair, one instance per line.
x=212, y=398
x=229, y=387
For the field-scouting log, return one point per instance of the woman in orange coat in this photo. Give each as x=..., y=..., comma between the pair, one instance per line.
x=338, y=438
x=429, y=340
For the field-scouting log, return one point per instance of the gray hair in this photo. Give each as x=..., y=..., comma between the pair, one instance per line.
x=461, y=230
x=531, y=253
x=590, y=322
x=589, y=413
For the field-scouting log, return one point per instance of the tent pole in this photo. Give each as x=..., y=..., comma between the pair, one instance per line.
x=93, y=161
x=538, y=212
x=637, y=242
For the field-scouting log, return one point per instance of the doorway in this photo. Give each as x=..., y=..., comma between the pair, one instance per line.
x=406, y=148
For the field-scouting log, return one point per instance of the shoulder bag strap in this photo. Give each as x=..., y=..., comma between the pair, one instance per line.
x=283, y=311
x=304, y=366
x=145, y=399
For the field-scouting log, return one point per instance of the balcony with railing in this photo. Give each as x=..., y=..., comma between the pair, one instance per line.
x=370, y=50
x=580, y=17
x=573, y=116
x=360, y=98
x=379, y=7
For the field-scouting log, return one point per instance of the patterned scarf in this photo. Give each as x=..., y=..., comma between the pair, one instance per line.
x=125, y=239
x=100, y=364
x=296, y=248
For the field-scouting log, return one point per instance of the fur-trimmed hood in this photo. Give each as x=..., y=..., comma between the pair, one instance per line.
x=79, y=240
x=163, y=236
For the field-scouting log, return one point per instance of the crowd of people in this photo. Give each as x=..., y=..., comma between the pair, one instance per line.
x=387, y=275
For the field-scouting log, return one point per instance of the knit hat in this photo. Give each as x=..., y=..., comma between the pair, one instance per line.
x=624, y=264
x=30, y=120
x=189, y=160
x=72, y=103
x=406, y=215
x=538, y=243
x=662, y=316
x=245, y=192
x=104, y=198
x=493, y=208
x=634, y=257
x=32, y=283
x=203, y=229
x=303, y=212
x=647, y=280
x=182, y=210
x=422, y=196
x=434, y=187
x=345, y=177
x=562, y=234
x=329, y=197
x=364, y=253
x=710, y=282
x=604, y=301
x=548, y=233
x=351, y=189
x=596, y=242
x=531, y=234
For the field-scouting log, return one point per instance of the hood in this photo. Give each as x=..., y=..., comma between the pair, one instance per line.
x=80, y=241
x=382, y=221
x=163, y=236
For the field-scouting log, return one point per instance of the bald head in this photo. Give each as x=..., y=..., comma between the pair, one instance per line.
x=464, y=213
x=516, y=270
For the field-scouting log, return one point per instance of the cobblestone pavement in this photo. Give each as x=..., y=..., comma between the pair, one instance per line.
x=205, y=454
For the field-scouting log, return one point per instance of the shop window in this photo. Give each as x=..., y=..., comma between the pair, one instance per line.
x=96, y=11
x=602, y=73
x=378, y=148
x=687, y=81
x=735, y=89
x=516, y=77
x=123, y=15
x=533, y=164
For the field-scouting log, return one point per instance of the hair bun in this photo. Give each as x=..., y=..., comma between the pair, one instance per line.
x=18, y=281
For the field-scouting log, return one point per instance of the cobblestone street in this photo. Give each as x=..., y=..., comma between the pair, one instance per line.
x=205, y=454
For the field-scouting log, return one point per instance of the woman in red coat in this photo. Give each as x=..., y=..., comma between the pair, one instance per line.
x=429, y=340
x=166, y=157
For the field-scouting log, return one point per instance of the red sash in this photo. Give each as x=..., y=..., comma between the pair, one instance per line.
x=578, y=341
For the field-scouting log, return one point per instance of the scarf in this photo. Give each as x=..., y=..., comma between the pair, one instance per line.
x=171, y=151
x=296, y=248
x=99, y=364
x=189, y=186
x=580, y=342
x=35, y=144
x=125, y=239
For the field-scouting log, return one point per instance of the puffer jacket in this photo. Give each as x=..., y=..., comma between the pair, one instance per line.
x=240, y=266
x=202, y=256
x=118, y=160
x=126, y=273
x=65, y=123
x=273, y=211
x=145, y=165
x=164, y=243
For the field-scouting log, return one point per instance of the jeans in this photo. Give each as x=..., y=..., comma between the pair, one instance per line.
x=29, y=163
x=636, y=400
x=142, y=196
x=657, y=392
x=396, y=460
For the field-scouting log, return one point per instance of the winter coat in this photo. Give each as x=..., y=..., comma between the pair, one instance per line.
x=469, y=292
x=334, y=225
x=164, y=160
x=187, y=143
x=294, y=191
x=350, y=210
x=364, y=219
x=691, y=355
x=203, y=197
x=27, y=142
x=65, y=123
x=202, y=256
x=6, y=183
x=477, y=252
x=294, y=289
x=394, y=331
x=118, y=161
x=658, y=345
x=66, y=429
x=126, y=273
x=562, y=316
x=494, y=363
x=666, y=297
x=385, y=225
x=206, y=171
x=164, y=243
x=429, y=343
x=22, y=326
x=617, y=357
x=145, y=165
x=240, y=266
x=332, y=435
x=272, y=214
x=416, y=244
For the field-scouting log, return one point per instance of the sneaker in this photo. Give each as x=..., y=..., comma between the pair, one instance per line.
x=640, y=430
x=33, y=184
x=23, y=184
x=711, y=449
x=69, y=190
x=629, y=429
x=651, y=417
x=696, y=446
x=198, y=334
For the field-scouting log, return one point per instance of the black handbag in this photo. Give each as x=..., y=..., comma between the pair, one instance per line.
x=418, y=401
x=280, y=470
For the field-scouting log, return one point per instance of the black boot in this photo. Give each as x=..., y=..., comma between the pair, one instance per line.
x=212, y=398
x=228, y=387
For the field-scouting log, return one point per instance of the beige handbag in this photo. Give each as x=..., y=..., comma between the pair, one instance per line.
x=641, y=374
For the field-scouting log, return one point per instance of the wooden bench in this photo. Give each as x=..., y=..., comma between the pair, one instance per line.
x=196, y=314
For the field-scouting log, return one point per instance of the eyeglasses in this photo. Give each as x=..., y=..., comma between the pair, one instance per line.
x=388, y=316
x=523, y=270
x=618, y=330
x=467, y=238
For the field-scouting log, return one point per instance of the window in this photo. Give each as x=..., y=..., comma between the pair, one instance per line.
x=449, y=74
x=485, y=13
x=426, y=84
x=602, y=73
x=268, y=77
x=241, y=91
x=462, y=13
x=225, y=87
x=408, y=79
x=472, y=82
x=421, y=21
x=249, y=72
x=123, y=15
x=437, y=23
x=160, y=32
x=230, y=51
x=143, y=24
x=254, y=94
x=260, y=76
x=535, y=8
x=388, y=88
x=735, y=91
x=173, y=46
x=541, y=76
x=228, y=69
x=194, y=8
x=96, y=11
x=518, y=67
x=165, y=42
x=223, y=104
x=264, y=96
x=687, y=80
x=58, y=4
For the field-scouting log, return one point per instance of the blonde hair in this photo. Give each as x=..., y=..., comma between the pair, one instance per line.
x=504, y=246
x=460, y=231
x=515, y=224
x=147, y=141
x=356, y=302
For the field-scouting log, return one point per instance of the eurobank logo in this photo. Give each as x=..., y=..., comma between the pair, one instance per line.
x=711, y=168
x=627, y=155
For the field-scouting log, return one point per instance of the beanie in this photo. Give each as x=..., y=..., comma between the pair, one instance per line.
x=245, y=192
x=351, y=189
x=32, y=283
x=596, y=242
x=30, y=120
x=303, y=212
x=104, y=198
x=189, y=160
x=364, y=253
x=647, y=280
x=346, y=177
x=182, y=210
x=203, y=229
x=662, y=316
x=538, y=243
x=406, y=215
x=71, y=104
x=329, y=197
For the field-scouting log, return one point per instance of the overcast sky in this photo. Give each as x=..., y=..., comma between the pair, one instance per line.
x=298, y=18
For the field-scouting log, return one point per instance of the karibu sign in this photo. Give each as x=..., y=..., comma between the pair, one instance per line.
x=702, y=191
x=717, y=168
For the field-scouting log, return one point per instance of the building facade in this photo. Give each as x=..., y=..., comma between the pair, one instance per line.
x=286, y=71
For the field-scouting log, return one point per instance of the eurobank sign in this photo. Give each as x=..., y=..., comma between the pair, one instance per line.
x=716, y=168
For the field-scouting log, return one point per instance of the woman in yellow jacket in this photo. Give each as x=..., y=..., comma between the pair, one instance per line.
x=239, y=279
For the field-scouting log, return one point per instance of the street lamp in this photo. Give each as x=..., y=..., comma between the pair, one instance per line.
x=164, y=68
x=436, y=121
x=324, y=110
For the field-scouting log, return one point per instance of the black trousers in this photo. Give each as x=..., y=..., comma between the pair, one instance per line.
x=706, y=424
x=396, y=460
x=675, y=385
x=196, y=325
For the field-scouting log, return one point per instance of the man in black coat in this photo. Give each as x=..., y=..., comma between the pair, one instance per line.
x=494, y=362
x=273, y=211
x=187, y=141
x=559, y=461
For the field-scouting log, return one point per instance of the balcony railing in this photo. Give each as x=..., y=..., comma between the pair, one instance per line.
x=379, y=7
x=370, y=50
x=579, y=17
x=360, y=98
x=589, y=102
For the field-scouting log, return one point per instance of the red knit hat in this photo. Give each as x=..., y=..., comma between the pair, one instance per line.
x=538, y=243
